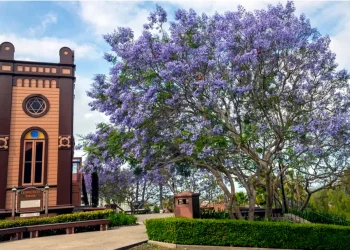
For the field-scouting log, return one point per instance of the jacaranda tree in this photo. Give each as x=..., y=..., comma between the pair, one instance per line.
x=124, y=181
x=215, y=89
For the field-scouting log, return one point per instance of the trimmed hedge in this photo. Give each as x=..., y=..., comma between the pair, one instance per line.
x=116, y=219
x=262, y=234
x=121, y=219
x=81, y=216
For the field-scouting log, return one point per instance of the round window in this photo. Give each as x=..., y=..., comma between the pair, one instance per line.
x=35, y=105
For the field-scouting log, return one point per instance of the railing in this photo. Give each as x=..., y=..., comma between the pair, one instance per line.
x=259, y=213
x=316, y=217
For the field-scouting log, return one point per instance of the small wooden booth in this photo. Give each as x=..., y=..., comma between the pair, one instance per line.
x=187, y=205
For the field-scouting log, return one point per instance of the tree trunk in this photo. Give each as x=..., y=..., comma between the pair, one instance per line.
x=94, y=189
x=131, y=204
x=143, y=194
x=161, y=195
x=193, y=183
x=137, y=194
x=137, y=191
x=237, y=211
x=278, y=202
x=85, y=199
x=231, y=203
x=231, y=206
x=285, y=205
x=233, y=192
x=229, y=195
x=252, y=197
x=297, y=193
x=269, y=196
x=306, y=201
x=228, y=207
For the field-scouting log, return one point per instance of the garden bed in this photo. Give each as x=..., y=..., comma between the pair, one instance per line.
x=115, y=219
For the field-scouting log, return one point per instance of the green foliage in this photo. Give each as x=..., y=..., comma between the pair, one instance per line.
x=168, y=202
x=260, y=196
x=248, y=234
x=332, y=201
x=241, y=198
x=121, y=219
x=212, y=214
x=124, y=219
x=156, y=209
x=149, y=76
x=321, y=217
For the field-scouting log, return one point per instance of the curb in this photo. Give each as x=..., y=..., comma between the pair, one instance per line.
x=132, y=245
x=199, y=247
x=131, y=225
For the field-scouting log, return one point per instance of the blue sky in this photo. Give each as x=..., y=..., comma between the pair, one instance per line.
x=39, y=29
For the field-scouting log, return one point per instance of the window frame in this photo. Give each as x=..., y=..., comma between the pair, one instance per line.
x=33, y=162
x=44, y=159
x=24, y=105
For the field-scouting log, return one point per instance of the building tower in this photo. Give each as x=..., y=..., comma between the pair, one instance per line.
x=36, y=126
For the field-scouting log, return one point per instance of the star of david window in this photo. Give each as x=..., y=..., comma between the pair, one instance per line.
x=36, y=105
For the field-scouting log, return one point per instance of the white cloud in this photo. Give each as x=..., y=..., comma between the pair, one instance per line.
x=47, y=48
x=103, y=17
x=85, y=120
x=48, y=19
x=340, y=46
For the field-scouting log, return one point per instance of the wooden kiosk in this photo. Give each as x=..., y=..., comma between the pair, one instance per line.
x=187, y=205
x=36, y=131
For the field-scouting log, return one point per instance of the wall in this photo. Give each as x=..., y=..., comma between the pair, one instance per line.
x=20, y=121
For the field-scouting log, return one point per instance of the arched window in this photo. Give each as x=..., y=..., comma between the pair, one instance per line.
x=33, y=157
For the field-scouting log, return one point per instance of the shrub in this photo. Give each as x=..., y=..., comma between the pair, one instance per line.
x=248, y=234
x=321, y=217
x=121, y=219
x=116, y=219
x=212, y=214
x=81, y=216
x=156, y=209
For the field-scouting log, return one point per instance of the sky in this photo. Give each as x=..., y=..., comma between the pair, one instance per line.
x=45, y=27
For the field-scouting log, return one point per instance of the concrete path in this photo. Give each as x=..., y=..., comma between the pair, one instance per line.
x=103, y=240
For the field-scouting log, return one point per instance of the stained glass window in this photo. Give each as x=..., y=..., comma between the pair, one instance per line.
x=33, y=157
x=36, y=105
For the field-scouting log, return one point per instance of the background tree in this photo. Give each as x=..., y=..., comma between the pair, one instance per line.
x=85, y=199
x=94, y=189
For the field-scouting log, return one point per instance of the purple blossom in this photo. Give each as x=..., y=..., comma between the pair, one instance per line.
x=221, y=85
x=217, y=129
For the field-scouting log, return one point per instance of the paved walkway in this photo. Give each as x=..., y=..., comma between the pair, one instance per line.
x=103, y=240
